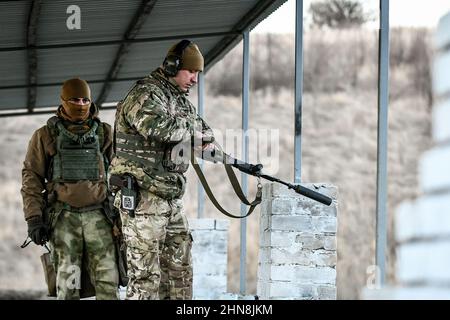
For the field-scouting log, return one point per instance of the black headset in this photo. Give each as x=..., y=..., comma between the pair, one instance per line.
x=173, y=62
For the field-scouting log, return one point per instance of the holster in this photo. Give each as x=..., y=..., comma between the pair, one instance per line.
x=128, y=187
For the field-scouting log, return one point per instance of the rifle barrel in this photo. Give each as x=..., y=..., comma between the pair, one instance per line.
x=302, y=190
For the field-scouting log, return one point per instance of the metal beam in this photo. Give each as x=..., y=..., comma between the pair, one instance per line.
x=259, y=12
x=133, y=29
x=383, y=102
x=55, y=84
x=115, y=42
x=298, y=91
x=25, y=113
x=33, y=18
x=245, y=101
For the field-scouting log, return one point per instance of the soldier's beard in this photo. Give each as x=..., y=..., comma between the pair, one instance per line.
x=75, y=112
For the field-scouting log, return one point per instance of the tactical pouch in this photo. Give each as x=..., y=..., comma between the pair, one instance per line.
x=49, y=273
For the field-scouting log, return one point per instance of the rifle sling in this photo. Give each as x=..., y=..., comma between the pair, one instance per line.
x=237, y=189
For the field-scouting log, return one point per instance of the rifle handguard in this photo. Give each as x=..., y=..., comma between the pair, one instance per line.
x=252, y=169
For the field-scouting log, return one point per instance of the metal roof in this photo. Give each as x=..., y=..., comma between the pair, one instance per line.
x=118, y=42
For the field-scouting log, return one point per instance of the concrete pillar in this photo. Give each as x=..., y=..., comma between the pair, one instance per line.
x=209, y=255
x=422, y=226
x=297, y=255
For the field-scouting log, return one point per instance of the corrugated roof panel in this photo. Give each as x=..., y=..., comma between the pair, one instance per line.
x=49, y=96
x=90, y=63
x=108, y=21
x=13, y=99
x=13, y=23
x=101, y=20
x=119, y=89
x=177, y=17
x=13, y=68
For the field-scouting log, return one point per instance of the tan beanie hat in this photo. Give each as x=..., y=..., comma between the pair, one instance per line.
x=75, y=88
x=191, y=59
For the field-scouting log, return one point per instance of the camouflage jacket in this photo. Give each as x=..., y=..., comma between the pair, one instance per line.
x=36, y=179
x=158, y=111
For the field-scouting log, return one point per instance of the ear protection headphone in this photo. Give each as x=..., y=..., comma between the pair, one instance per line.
x=173, y=62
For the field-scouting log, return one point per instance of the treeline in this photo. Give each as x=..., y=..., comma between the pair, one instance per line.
x=334, y=60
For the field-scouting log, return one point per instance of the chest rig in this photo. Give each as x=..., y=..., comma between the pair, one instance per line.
x=78, y=155
x=158, y=157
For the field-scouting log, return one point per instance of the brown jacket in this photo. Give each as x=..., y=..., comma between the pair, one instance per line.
x=80, y=194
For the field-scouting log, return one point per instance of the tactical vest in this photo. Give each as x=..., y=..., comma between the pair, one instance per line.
x=157, y=157
x=78, y=157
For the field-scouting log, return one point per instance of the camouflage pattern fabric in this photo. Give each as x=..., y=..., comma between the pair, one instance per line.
x=159, y=111
x=158, y=249
x=88, y=234
x=158, y=239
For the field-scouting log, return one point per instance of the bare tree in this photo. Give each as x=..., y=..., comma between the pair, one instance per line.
x=338, y=13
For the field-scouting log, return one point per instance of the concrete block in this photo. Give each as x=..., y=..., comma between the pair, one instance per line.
x=435, y=170
x=407, y=293
x=303, y=274
x=426, y=218
x=441, y=76
x=303, y=257
x=201, y=224
x=209, y=264
x=324, y=224
x=442, y=35
x=441, y=118
x=222, y=224
x=263, y=273
x=282, y=290
x=327, y=292
x=282, y=239
x=296, y=206
x=216, y=285
x=311, y=241
x=427, y=262
x=265, y=224
x=266, y=207
x=214, y=241
x=405, y=223
x=291, y=223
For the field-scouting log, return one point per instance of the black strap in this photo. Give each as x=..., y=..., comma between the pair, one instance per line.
x=27, y=242
x=237, y=189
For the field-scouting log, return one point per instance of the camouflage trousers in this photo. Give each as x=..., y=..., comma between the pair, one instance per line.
x=84, y=235
x=158, y=249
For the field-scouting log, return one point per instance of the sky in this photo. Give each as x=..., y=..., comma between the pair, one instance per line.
x=411, y=13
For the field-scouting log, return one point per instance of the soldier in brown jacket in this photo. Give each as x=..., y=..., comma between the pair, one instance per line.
x=64, y=190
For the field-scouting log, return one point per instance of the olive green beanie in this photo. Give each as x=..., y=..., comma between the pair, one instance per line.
x=75, y=88
x=191, y=59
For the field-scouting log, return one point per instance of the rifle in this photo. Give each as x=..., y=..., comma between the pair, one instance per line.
x=217, y=155
x=255, y=170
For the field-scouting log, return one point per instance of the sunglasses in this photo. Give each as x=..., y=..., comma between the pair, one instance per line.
x=83, y=100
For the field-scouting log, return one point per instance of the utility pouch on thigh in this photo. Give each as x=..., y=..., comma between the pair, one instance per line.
x=129, y=196
x=49, y=273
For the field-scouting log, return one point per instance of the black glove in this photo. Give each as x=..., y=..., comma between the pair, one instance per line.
x=37, y=230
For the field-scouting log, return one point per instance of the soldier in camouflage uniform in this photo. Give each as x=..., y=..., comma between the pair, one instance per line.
x=64, y=189
x=154, y=117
